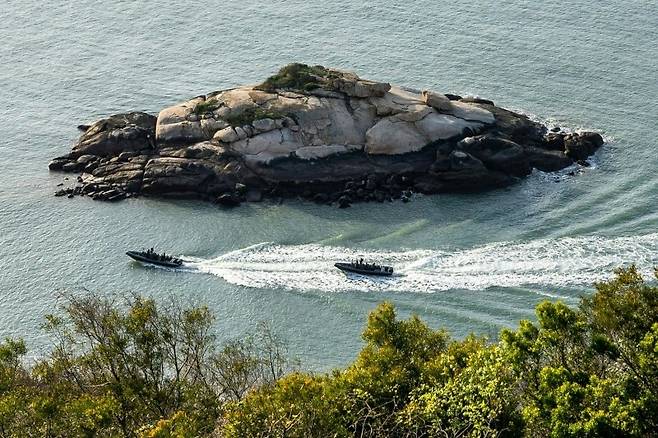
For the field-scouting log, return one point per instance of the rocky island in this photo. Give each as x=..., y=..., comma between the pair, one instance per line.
x=318, y=133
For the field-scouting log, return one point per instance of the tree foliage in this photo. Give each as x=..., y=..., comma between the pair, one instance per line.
x=129, y=367
x=134, y=368
x=589, y=371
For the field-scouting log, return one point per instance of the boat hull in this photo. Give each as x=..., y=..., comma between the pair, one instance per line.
x=140, y=258
x=347, y=267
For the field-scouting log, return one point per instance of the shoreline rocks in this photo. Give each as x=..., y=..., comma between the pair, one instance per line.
x=319, y=134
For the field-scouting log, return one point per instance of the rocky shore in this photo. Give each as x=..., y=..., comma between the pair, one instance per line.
x=321, y=134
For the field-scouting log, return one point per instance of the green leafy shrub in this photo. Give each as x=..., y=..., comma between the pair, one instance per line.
x=300, y=77
x=134, y=368
x=130, y=367
x=589, y=371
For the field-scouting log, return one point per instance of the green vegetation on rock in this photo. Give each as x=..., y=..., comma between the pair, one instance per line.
x=240, y=117
x=207, y=106
x=300, y=77
x=137, y=369
x=249, y=115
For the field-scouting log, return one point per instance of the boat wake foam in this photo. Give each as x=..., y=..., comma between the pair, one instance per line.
x=548, y=264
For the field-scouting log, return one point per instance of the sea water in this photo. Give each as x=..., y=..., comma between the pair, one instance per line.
x=470, y=263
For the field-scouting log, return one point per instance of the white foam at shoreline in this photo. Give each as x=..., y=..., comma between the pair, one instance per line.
x=566, y=262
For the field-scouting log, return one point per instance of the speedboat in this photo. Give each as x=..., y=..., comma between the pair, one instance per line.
x=154, y=258
x=365, y=268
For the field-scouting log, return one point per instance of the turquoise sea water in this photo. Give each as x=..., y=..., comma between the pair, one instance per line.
x=470, y=263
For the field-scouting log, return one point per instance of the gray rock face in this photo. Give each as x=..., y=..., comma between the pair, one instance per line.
x=437, y=101
x=119, y=133
x=498, y=154
x=580, y=146
x=337, y=137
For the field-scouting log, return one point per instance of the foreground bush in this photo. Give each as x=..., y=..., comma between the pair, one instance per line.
x=590, y=371
x=130, y=368
x=136, y=369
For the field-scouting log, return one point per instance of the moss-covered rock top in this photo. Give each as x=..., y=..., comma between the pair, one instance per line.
x=300, y=77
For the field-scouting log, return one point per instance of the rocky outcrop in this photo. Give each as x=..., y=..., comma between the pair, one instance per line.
x=322, y=134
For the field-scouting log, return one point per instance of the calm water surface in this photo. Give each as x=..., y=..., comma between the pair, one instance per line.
x=470, y=263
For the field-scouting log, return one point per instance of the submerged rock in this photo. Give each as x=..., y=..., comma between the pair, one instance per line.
x=319, y=133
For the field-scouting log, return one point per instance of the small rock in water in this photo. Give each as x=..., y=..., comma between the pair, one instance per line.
x=228, y=200
x=344, y=202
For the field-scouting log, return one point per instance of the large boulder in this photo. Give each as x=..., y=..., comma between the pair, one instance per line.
x=437, y=101
x=116, y=134
x=176, y=176
x=497, y=154
x=180, y=123
x=579, y=146
x=392, y=136
x=350, y=84
x=460, y=172
x=547, y=160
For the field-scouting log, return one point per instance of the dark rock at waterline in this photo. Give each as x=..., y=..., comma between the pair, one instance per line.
x=321, y=198
x=58, y=163
x=228, y=200
x=497, y=154
x=453, y=96
x=476, y=100
x=116, y=134
x=348, y=140
x=253, y=195
x=555, y=141
x=547, y=160
x=344, y=201
x=72, y=166
x=582, y=145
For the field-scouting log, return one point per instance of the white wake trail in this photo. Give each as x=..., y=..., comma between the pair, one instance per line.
x=565, y=262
